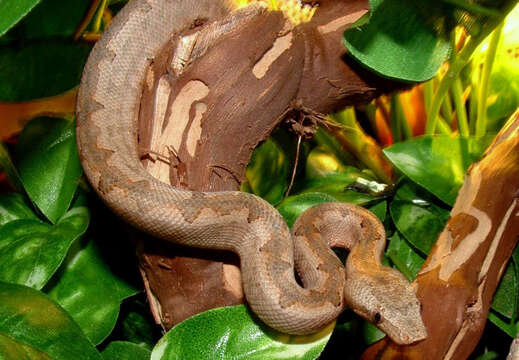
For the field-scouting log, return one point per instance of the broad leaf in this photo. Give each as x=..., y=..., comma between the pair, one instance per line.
x=14, y=11
x=14, y=207
x=89, y=291
x=437, y=163
x=40, y=69
x=397, y=42
x=49, y=164
x=267, y=172
x=33, y=325
x=122, y=350
x=420, y=225
x=233, y=333
x=405, y=258
x=293, y=206
x=31, y=251
x=53, y=18
x=505, y=297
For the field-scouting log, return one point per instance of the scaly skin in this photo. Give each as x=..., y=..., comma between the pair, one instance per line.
x=107, y=113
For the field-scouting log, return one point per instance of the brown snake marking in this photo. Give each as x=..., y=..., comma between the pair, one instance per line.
x=107, y=113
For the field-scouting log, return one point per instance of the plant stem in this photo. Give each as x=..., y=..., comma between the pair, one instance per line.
x=448, y=79
x=99, y=15
x=460, y=61
x=459, y=103
x=443, y=127
x=474, y=8
x=396, y=128
x=481, y=120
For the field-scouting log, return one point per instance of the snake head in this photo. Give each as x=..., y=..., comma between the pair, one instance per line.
x=387, y=300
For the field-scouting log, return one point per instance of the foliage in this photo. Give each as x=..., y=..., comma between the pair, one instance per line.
x=68, y=292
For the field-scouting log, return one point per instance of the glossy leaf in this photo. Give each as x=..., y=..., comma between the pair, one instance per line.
x=13, y=206
x=31, y=251
x=380, y=210
x=53, y=18
x=31, y=324
x=397, y=42
x=437, y=163
x=122, y=350
x=233, y=333
x=505, y=297
x=510, y=328
x=322, y=162
x=49, y=164
x=6, y=163
x=267, y=172
x=89, y=291
x=40, y=69
x=293, y=206
x=14, y=11
x=137, y=324
x=405, y=258
x=420, y=225
x=351, y=186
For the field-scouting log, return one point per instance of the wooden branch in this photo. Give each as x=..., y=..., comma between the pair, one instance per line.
x=246, y=86
x=459, y=278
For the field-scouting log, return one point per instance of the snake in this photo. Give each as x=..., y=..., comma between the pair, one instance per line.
x=270, y=253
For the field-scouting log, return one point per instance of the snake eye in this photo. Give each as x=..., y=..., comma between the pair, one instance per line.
x=377, y=318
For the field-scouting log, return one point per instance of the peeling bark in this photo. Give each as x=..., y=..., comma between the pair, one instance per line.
x=459, y=278
x=208, y=121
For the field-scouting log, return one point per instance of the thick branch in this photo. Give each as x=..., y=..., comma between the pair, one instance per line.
x=218, y=111
x=460, y=276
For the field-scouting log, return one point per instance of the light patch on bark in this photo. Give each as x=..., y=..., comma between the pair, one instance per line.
x=280, y=45
x=495, y=242
x=159, y=169
x=451, y=260
x=340, y=23
x=232, y=280
x=195, y=131
x=150, y=77
x=183, y=53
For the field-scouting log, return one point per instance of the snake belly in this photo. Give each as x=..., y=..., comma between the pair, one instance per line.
x=107, y=118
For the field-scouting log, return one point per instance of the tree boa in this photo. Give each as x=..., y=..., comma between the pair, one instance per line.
x=107, y=116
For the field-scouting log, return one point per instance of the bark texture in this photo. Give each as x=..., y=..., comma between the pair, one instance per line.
x=211, y=149
x=459, y=278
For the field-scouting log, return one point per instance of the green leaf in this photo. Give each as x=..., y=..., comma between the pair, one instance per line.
x=351, y=186
x=491, y=355
x=8, y=168
x=380, y=210
x=40, y=69
x=437, y=163
x=505, y=297
x=509, y=328
x=137, y=325
x=405, y=258
x=49, y=164
x=420, y=225
x=267, y=172
x=122, y=350
x=14, y=207
x=31, y=251
x=321, y=162
x=14, y=11
x=233, y=333
x=397, y=42
x=89, y=291
x=53, y=18
x=293, y=206
x=32, y=324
